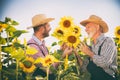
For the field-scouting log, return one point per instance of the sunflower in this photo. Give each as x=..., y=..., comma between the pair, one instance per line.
x=77, y=30
x=118, y=48
x=66, y=22
x=66, y=62
x=2, y=26
x=47, y=61
x=72, y=40
x=117, y=32
x=58, y=33
x=31, y=50
x=28, y=65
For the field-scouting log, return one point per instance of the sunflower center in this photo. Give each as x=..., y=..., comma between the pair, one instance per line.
x=76, y=30
x=118, y=32
x=60, y=32
x=72, y=39
x=48, y=61
x=27, y=64
x=0, y=26
x=66, y=23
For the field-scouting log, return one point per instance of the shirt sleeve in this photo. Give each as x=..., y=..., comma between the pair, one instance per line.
x=38, y=54
x=107, y=55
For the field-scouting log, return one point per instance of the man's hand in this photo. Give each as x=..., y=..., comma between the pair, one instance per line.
x=64, y=45
x=67, y=51
x=79, y=60
x=85, y=49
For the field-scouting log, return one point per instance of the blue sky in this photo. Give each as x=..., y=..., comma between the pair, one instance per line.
x=23, y=10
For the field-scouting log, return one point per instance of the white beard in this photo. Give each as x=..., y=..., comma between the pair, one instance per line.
x=90, y=35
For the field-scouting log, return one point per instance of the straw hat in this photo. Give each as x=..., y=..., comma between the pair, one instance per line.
x=39, y=19
x=97, y=20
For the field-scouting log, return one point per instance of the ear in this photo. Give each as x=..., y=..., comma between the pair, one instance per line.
x=41, y=29
x=97, y=26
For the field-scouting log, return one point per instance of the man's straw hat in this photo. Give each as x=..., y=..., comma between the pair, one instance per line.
x=97, y=20
x=39, y=19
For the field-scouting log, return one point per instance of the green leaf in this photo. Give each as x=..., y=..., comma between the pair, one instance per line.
x=14, y=23
x=2, y=40
x=7, y=49
x=119, y=45
x=71, y=57
x=17, y=45
x=18, y=33
x=18, y=54
x=58, y=54
x=10, y=29
x=10, y=33
x=54, y=43
x=7, y=19
x=9, y=38
x=10, y=21
x=6, y=60
x=60, y=42
x=116, y=40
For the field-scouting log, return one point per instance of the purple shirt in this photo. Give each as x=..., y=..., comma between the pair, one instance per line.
x=39, y=45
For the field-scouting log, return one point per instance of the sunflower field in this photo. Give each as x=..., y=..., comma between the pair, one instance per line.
x=16, y=62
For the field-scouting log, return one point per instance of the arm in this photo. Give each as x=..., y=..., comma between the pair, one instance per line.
x=79, y=60
x=108, y=54
x=38, y=54
x=66, y=51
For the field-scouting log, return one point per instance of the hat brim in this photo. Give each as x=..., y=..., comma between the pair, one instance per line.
x=101, y=23
x=42, y=22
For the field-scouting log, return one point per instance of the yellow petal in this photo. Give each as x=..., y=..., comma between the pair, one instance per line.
x=38, y=60
x=31, y=50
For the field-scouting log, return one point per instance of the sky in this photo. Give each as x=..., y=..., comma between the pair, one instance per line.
x=23, y=10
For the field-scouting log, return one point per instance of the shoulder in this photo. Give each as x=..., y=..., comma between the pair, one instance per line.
x=32, y=43
x=109, y=41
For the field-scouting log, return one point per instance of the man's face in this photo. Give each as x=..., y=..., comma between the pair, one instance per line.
x=91, y=29
x=47, y=29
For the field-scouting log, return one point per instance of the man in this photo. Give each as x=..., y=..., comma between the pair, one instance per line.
x=103, y=53
x=41, y=27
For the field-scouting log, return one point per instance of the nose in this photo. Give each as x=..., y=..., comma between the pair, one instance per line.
x=50, y=28
x=86, y=29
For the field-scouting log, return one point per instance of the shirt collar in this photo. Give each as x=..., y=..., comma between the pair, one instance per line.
x=100, y=38
x=37, y=40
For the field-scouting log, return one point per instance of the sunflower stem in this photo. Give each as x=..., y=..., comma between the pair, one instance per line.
x=47, y=73
x=7, y=38
x=66, y=62
x=17, y=64
x=0, y=64
x=28, y=77
x=7, y=45
x=77, y=67
x=59, y=72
